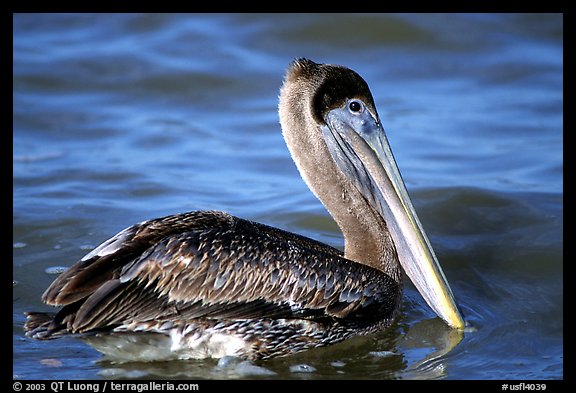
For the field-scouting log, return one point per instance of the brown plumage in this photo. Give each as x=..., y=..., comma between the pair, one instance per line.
x=211, y=268
x=207, y=284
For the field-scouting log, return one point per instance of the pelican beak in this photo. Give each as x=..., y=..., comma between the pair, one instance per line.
x=367, y=144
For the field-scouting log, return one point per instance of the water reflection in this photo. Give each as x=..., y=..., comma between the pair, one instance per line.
x=421, y=352
x=426, y=335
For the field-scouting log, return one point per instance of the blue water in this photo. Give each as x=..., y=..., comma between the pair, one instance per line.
x=120, y=118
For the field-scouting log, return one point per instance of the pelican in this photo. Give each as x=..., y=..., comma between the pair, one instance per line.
x=207, y=284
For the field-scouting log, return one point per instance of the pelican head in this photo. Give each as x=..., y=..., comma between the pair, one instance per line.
x=336, y=138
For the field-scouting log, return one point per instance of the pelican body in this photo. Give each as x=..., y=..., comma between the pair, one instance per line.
x=208, y=284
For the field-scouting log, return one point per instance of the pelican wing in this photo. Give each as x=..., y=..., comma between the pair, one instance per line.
x=213, y=265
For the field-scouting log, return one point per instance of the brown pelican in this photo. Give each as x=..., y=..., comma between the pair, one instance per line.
x=207, y=284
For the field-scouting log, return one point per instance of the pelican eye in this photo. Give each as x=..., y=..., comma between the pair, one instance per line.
x=356, y=106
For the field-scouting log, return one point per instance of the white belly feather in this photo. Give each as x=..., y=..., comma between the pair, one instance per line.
x=145, y=347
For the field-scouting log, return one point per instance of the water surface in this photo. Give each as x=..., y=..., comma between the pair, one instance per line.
x=121, y=118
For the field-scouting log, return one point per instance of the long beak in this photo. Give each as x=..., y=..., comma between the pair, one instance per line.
x=415, y=253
